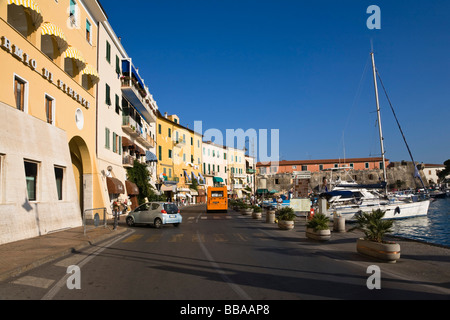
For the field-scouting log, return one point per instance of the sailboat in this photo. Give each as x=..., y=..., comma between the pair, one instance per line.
x=349, y=199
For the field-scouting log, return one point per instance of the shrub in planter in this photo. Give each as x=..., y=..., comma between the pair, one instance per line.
x=318, y=228
x=286, y=217
x=257, y=212
x=245, y=209
x=375, y=228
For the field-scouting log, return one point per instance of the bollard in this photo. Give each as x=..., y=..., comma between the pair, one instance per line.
x=339, y=224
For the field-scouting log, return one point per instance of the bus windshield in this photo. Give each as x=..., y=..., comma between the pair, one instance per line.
x=217, y=194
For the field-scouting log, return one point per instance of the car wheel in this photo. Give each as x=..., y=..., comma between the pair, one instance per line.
x=158, y=223
x=176, y=224
x=130, y=222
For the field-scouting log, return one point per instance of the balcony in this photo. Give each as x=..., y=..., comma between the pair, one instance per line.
x=130, y=126
x=135, y=91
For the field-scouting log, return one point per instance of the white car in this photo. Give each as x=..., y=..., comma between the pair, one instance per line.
x=156, y=214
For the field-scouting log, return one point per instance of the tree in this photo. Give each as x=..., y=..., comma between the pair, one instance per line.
x=140, y=176
x=444, y=173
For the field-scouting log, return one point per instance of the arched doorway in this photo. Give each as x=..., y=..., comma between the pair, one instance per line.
x=82, y=170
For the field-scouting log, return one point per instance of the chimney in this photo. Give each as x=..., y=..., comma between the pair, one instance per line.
x=165, y=115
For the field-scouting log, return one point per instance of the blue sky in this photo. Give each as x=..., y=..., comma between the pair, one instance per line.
x=298, y=66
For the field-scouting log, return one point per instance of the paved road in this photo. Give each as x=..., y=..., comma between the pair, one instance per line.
x=217, y=257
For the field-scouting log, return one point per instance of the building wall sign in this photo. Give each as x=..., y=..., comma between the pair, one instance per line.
x=24, y=57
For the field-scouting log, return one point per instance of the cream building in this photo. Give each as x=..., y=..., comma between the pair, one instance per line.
x=126, y=119
x=48, y=165
x=215, y=167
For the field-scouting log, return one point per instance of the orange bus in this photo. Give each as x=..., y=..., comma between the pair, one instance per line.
x=217, y=199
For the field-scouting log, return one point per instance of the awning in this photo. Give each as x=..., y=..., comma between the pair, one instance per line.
x=127, y=67
x=139, y=150
x=115, y=186
x=201, y=177
x=262, y=191
x=54, y=31
x=90, y=71
x=132, y=189
x=127, y=142
x=194, y=192
x=73, y=53
x=218, y=180
x=35, y=12
x=150, y=157
x=187, y=175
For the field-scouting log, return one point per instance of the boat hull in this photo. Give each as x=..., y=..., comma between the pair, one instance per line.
x=396, y=210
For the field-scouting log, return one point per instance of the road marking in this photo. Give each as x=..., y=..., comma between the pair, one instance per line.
x=176, y=238
x=240, y=237
x=238, y=290
x=133, y=238
x=220, y=238
x=154, y=238
x=34, y=282
x=261, y=236
x=63, y=282
x=70, y=261
x=198, y=237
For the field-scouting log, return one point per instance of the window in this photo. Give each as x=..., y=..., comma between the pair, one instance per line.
x=73, y=12
x=118, y=108
x=367, y=165
x=114, y=142
x=108, y=95
x=304, y=168
x=118, y=71
x=107, y=143
x=170, y=154
x=49, y=105
x=31, y=174
x=159, y=129
x=88, y=31
x=59, y=177
x=108, y=52
x=160, y=153
x=321, y=167
x=19, y=93
x=170, y=133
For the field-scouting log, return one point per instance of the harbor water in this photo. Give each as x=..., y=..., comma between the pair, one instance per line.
x=435, y=228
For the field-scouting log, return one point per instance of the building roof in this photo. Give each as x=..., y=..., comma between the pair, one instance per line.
x=323, y=161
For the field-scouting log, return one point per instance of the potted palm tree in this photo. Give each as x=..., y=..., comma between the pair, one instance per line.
x=373, y=244
x=245, y=209
x=318, y=228
x=257, y=212
x=286, y=217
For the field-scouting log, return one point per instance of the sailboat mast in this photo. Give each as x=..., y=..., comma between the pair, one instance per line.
x=379, y=118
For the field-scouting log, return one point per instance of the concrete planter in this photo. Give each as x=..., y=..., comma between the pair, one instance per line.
x=256, y=215
x=389, y=252
x=285, y=225
x=270, y=217
x=320, y=235
x=246, y=212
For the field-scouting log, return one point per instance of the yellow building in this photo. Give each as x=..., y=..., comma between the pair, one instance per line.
x=48, y=171
x=179, y=158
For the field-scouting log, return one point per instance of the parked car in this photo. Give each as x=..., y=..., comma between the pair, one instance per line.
x=156, y=214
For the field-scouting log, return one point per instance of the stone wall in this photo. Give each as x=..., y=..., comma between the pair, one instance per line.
x=397, y=171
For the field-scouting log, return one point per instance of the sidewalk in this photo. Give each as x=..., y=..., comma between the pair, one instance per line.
x=21, y=256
